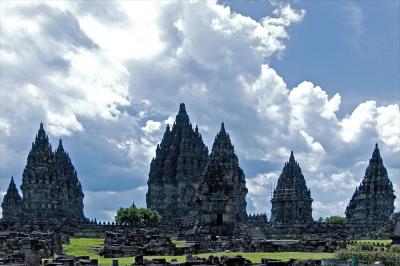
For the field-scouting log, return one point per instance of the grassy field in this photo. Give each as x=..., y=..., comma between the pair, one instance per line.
x=89, y=246
x=380, y=241
x=180, y=243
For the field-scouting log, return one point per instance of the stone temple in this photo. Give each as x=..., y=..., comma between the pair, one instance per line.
x=291, y=201
x=51, y=191
x=221, y=198
x=374, y=199
x=175, y=172
x=12, y=203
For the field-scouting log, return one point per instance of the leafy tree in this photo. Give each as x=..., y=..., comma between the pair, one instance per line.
x=134, y=216
x=336, y=219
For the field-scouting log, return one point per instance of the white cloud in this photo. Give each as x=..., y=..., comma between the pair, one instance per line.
x=388, y=125
x=151, y=126
x=362, y=118
x=5, y=127
x=260, y=190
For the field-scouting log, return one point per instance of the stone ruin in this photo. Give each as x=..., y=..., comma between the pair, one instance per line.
x=29, y=248
x=138, y=241
x=52, y=193
x=65, y=260
x=235, y=261
x=374, y=199
x=395, y=228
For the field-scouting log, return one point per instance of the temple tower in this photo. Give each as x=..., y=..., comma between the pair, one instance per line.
x=50, y=187
x=175, y=172
x=40, y=184
x=71, y=196
x=222, y=193
x=12, y=203
x=374, y=198
x=291, y=201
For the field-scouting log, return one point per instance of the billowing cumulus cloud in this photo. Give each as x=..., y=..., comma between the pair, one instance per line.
x=107, y=79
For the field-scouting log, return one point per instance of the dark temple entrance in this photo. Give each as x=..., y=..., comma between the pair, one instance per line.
x=219, y=219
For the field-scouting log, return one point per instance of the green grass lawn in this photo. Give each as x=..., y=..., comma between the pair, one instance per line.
x=379, y=241
x=89, y=246
x=180, y=243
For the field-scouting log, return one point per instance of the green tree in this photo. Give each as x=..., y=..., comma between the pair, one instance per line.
x=134, y=216
x=336, y=219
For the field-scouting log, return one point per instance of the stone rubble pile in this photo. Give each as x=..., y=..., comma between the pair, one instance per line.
x=139, y=241
x=235, y=261
x=18, y=247
x=65, y=260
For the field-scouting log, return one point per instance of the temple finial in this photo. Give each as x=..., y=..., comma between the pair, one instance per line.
x=291, y=159
x=376, y=154
x=60, y=146
x=222, y=127
x=41, y=133
x=182, y=108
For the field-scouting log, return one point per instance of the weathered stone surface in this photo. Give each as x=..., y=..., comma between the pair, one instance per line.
x=28, y=246
x=135, y=242
x=50, y=187
x=291, y=201
x=222, y=194
x=395, y=228
x=374, y=199
x=71, y=195
x=12, y=203
x=175, y=172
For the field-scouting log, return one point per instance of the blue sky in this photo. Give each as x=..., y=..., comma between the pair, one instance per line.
x=334, y=33
x=317, y=77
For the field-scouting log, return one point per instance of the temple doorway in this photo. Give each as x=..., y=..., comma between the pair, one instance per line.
x=219, y=219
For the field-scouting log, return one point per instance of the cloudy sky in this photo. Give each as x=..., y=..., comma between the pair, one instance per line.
x=317, y=77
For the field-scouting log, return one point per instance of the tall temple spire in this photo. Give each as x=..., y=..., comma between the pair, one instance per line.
x=175, y=172
x=222, y=143
x=374, y=199
x=71, y=201
x=291, y=201
x=50, y=186
x=222, y=193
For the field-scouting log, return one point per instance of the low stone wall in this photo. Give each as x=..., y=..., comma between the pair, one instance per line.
x=236, y=261
x=28, y=247
x=205, y=244
x=138, y=241
x=324, y=230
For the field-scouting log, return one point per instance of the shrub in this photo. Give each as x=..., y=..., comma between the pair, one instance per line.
x=387, y=258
